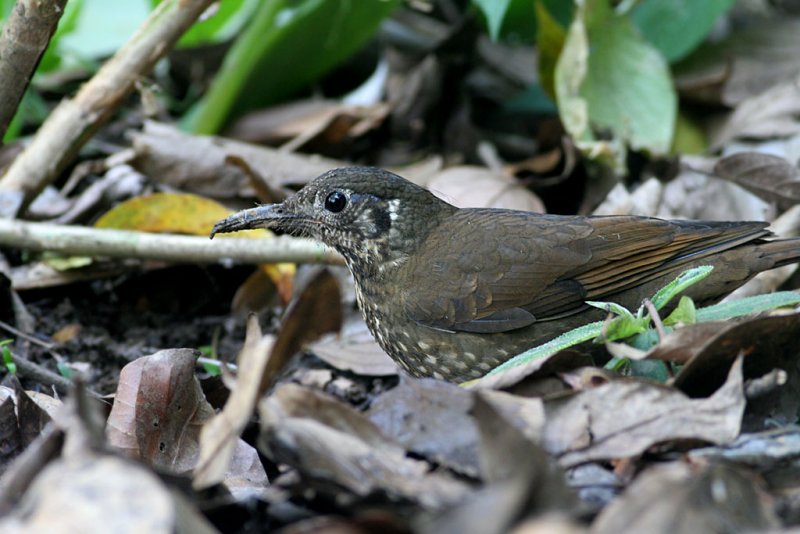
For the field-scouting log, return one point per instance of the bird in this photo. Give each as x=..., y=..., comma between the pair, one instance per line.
x=451, y=293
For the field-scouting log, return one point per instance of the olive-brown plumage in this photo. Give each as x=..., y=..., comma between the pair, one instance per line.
x=452, y=293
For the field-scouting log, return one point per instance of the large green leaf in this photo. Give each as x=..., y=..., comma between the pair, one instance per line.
x=223, y=22
x=102, y=27
x=611, y=84
x=676, y=27
x=287, y=46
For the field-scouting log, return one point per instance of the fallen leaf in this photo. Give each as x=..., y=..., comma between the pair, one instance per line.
x=625, y=417
x=682, y=498
x=158, y=411
x=766, y=115
x=772, y=178
x=220, y=433
x=197, y=164
x=430, y=418
x=354, y=349
x=521, y=480
x=338, y=448
x=316, y=311
x=476, y=187
x=181, y=213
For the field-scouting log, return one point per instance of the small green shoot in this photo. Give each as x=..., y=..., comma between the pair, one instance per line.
x=645, y=337
x=8, y=358
x=209, y=360
x=684, y=280
x=64, y=370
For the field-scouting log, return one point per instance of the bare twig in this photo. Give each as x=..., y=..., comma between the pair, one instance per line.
x=24, y=38
x=27, y=337
x=75, y=120
x=40, y=374
x=96, y=242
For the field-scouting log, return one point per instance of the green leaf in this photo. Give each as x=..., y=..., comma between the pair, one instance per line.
x=51, y=59
x=624, y=325
x=495, y=11
x=676, y=27
x=550, y=37
x=564, y=341
x=102, y=27
x=653, y=369
x=8, y=358
x=685, y=313
x=287, y=46
x=611, y=307
x=222, y=22
x=684, y=280
x=748, y=306
x=64, y=370
x=690, y=136
x=621, y=89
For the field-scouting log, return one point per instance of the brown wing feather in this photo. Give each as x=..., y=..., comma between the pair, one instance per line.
x=546, y=266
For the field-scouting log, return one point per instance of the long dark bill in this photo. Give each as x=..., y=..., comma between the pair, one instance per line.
x=260, y=217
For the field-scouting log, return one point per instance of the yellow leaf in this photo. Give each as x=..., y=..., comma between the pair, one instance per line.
x=184, y=213
x=178, y=213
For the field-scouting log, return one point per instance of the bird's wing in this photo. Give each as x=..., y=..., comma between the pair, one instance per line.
x=513, y=268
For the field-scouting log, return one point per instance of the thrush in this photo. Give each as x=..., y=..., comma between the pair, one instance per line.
x=451, y=293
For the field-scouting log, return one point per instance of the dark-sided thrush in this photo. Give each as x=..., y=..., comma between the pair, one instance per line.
x=452, y=293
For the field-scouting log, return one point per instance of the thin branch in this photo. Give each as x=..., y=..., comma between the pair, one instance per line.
x=96, y=242
x=24, y=38
x=74, y=121
x=42, y=375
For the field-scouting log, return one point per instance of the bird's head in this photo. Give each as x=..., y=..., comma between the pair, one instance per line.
x=369, y=215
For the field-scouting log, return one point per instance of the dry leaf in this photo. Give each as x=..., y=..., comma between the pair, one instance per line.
x=354, y=349
x=339, y=448
x=197, y=164
x=771, y=178
x=680, y=498
x=476, y=187
x=767, y=115
x=521, y=480
x=625, y=417
x=220, y=434
x=158, y=411
x=430, y=418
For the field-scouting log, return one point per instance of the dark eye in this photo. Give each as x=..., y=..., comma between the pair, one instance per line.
x=335, y=202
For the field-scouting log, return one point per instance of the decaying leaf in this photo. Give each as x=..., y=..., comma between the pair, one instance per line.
x=158, y=411
x=316, y=311
x=338, y=448
x=220, y=433
x=766, y=115
x=90, y=491
x=521, y=480
x=744, y=64
x=354, y=349
x=476, y=187
x=166, y=212
x=430, y=418
x=767, y=342
x=683, y=498
x=157, y=417
x=625, y=417
x=197, y=164
x=772, y=178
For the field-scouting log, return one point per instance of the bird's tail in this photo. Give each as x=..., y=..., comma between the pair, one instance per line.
x=781, y=251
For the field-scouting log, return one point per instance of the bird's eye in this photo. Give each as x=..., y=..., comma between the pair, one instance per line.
x=335, y=202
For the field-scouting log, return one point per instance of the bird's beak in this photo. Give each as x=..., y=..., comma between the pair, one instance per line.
x=266, y=216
